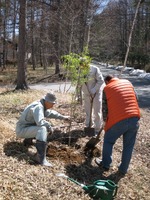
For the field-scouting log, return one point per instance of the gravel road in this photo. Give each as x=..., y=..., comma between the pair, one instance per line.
x=142, y=86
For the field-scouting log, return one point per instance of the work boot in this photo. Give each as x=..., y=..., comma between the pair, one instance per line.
x=27, y=142
x=41, y=153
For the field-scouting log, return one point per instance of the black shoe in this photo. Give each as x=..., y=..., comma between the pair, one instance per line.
x=120, y=173
x=27, y=142
x=100, y=164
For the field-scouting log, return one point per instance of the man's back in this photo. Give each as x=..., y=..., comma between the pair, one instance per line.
x=121, y=101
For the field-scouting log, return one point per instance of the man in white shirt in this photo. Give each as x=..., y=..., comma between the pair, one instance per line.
x=93, y=89
x=32, y=124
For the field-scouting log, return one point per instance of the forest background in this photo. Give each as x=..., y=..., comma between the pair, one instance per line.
x=34, y=35
x=38, y=33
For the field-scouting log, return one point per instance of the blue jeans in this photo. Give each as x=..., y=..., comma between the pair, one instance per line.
x=128, y=129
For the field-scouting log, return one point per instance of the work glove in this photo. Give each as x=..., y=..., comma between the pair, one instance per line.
x=67, y=118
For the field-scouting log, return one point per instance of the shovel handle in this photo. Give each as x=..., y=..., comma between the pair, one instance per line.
x=90, y=123
x=92, y=98
x=101, y=129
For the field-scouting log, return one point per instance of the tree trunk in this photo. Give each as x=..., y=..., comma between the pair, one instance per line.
x=4, y=39
x=32, y=36
x=57, y=40
x=130, y=37
x=21, y=73
x=14, y=35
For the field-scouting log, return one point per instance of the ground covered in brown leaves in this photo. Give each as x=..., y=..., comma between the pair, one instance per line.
x=22, y=179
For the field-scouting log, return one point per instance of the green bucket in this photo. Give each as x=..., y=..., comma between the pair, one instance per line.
x=99, y=190
x=102, y=190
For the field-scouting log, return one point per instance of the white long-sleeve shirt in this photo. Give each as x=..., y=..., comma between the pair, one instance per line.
x=95, y=81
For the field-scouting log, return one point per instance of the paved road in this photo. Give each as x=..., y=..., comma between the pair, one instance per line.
x=57, y=87
x=142, y=86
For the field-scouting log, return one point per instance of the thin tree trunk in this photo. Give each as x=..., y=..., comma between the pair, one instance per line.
x=130, y=37
x=32, y=36
x=57, y=40
x=4, y=39
x=14, y=35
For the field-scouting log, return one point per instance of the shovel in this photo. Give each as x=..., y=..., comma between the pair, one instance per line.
x=100, y=189
x=93, y=141
x=89, y=131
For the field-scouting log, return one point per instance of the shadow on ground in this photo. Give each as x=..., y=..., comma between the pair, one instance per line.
x=17, y=150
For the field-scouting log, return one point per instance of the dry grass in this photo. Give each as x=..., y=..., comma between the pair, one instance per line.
x=9, y=75
x=22, y=179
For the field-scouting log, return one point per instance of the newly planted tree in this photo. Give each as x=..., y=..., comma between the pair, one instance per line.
x=77, y=69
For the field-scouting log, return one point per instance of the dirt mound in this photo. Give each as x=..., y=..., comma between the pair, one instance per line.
x=70, y=148
x=65, y=153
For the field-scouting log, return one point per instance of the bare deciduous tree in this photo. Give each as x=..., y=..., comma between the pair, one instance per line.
x=21, y=73
x=130, y=36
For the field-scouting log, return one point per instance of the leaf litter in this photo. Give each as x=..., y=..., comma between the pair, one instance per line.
x=22, y=179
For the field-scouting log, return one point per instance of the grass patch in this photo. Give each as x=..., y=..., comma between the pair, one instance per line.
x=9, y=75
